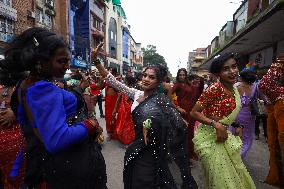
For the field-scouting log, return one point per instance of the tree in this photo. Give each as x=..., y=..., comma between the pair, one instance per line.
x=151, y=57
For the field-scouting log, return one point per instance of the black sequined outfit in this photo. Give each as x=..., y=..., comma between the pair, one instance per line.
x=150, y=166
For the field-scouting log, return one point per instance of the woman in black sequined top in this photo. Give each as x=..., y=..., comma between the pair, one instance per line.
x=160, y=134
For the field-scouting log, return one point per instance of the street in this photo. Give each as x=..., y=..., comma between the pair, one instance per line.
x=256, y=162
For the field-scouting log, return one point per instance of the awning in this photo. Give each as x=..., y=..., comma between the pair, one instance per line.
x=262, y=32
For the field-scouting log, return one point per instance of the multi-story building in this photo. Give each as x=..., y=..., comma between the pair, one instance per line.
x=258, y=33
x=136, y=56
x=44, y=13
x=195, y=58
x=86, y=29
x=61, y=18
x=114, y=44
x=8, y=17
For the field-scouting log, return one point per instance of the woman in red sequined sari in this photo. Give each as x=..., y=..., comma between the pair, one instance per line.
x=110, y=100
x=11, y=138
x=272, y=85
x=124, y=129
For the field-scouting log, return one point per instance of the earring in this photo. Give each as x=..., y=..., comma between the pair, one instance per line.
x=218, y=80
x=38, y=68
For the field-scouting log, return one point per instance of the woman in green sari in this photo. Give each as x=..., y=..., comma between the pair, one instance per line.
x=217, y=148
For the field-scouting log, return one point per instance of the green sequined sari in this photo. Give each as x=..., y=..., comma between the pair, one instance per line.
x=222, y=163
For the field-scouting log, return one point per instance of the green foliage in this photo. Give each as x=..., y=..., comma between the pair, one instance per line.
x=150, y=56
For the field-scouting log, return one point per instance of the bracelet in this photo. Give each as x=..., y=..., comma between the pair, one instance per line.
x=212, y=123
x=96, y=62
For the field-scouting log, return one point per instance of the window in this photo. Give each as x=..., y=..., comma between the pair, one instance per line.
x=39, y=16
x=49, y=2
x=43, y=18
x=7, y=2
x=111, y=35
x=6, y=26
x=3, y=25
x=48, y=20
x=10, y=26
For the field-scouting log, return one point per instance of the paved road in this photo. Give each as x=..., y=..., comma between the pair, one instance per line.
x=257, y=163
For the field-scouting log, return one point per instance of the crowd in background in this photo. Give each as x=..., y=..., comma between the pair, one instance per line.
x=50, y=137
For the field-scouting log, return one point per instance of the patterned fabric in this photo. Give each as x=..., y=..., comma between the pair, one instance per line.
x=11, y=146
x=216, y=101
x=167, y=139
x=272, y=84
x=167, y=134
x=221, y=162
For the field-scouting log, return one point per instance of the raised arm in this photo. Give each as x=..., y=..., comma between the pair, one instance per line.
x=109, y=78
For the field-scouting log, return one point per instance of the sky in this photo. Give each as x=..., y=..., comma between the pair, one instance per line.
x=177, y=27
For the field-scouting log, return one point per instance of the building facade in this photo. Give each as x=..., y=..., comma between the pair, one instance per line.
x=258, y=34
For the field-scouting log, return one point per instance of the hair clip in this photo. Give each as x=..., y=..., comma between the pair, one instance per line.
x=217, y=56
x=35, y=42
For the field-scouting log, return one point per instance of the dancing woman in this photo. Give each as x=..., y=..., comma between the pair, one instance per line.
x=61, y=149
x=272, y=85
x=217, y=148
x=124, y=129
x=159, y=130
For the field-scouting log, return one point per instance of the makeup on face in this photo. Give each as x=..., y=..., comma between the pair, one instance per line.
x=229, y=73
x=149, y=80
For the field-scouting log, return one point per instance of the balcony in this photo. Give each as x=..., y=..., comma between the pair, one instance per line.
x=8, y=12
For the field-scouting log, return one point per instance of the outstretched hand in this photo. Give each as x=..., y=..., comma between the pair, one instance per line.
x=96, y=51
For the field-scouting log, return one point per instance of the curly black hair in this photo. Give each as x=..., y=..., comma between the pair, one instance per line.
x=218, y=63
x=248, y=76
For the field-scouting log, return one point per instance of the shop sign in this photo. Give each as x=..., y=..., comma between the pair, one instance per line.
x=79, y=63
x=8, y=12
x=6, y=37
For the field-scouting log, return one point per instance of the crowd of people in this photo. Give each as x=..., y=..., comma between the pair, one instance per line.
x=50, y=137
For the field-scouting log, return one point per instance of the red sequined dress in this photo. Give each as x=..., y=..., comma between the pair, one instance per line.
x=217, y=102
x=11, y=143
x=272, y=83
x=185, y=98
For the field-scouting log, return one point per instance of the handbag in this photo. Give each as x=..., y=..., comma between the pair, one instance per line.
x=254, y=107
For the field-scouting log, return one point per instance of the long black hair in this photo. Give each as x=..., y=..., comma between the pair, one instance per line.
x=181, y=70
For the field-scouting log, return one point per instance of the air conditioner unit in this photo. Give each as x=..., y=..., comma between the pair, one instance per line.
x=31, y=14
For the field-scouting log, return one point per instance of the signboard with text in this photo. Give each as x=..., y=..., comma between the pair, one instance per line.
x=6, y=37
